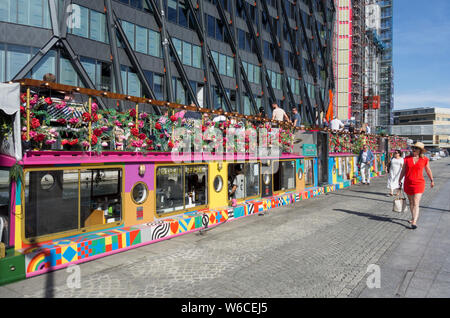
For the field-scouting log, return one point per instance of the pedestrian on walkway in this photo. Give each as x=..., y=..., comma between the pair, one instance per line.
x=414, y=181
x=365, y=160
x=394, y=169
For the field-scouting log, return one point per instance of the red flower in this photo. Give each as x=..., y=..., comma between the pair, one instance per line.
x=134, y=132
x=173, y=118
x=171, y=145
x=98, y=132
x=161, y=136
x=94, y=118
x=24, y=136
x=142, y=136
x=49, y=101
x=23, y=98
x=35, y=123
x=86, y=117
x=203, y=128
x=39, y=137
x=73, y=142
x=64, y=142
x=158, y=126
x=149, y=141
x=62, y=121
x=94, y=140
x=132, y=112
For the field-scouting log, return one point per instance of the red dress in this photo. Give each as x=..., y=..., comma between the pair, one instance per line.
x=414, y=181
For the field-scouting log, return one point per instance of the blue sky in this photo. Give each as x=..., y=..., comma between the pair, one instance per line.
x=421, y=53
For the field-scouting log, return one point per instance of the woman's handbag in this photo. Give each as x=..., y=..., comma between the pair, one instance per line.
x=399, y=204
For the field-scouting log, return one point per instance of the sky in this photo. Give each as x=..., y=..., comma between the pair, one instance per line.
x=421, y=53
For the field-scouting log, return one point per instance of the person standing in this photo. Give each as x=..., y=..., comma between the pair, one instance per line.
x=297, y=119
x=414, y=182
x=365, y=160
x=279, y=114
x=394, y=170
x=336, y=124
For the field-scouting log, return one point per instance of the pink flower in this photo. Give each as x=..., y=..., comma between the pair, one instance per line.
x=119, y=144
x=94, y=107
x=85, y=144
x=104, y=144
x=60, y=106
x=32, y=134
x=50, y=141
x=143, y=115
x=74, y=121
x=118, y=123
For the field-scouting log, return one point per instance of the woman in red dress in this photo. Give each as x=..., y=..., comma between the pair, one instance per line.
x=414, y=182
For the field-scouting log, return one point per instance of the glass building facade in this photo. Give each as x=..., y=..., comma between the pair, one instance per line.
x=236, y=55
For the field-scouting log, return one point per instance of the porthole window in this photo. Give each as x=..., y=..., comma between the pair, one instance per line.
x=47, y=182
x=139, y=193
x=300, y=173
x=218, y=183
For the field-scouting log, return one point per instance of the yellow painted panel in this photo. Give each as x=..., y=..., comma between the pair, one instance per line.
x=218, y=199
x=130, y=209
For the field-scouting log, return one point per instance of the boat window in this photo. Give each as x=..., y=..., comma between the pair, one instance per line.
x=244, y=178
x=139, y=193
x=68, y=200
x=309, y=173
x=284, y=175
x=100, y=196
x=181, y=187
x=4, y=203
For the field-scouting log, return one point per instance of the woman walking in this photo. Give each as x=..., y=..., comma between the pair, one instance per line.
x=414, y=181
x=395, y=168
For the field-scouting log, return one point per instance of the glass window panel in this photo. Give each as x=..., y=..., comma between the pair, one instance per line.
x=4, y=194
x=36, y=13
x=101, y=191
x=196, y=56
x=141, y=39
x=154, y=43
x=97, y=26
x=2, y=63
x=134, y=85
x=67, y=74
x=23, y=12
x=178, y=46
x=278, y=81
x=4, y=10
x=252, y=178
x=187, y=53
x=83, y=28
x=158, y=86
x=46, y=65
x=128, y=28
x=230, y=66
x=257, y=75
x=47, y=21
x=196, y=189
x=123, y=74
x=16, y=58
x=250, y=73
x=172, y=10
x=215, y=56
x=222, y=64
x=182, y=18
x=309, y=173
x=169, y=189
x=51, y=202
x=211, y=26
x=90, y=67
x=181, y=95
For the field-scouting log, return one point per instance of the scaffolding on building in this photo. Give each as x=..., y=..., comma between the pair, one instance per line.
x=358, y=42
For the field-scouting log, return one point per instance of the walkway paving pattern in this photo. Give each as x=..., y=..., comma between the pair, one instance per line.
x=320, y=247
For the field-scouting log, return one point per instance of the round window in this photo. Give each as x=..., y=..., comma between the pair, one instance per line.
x=139, y=193
x=218, y=183
x=300, y=173
x=47, y=182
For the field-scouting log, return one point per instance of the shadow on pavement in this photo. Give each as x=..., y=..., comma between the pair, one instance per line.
x=369, y=192
x=357, y=196
x=375, y=217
